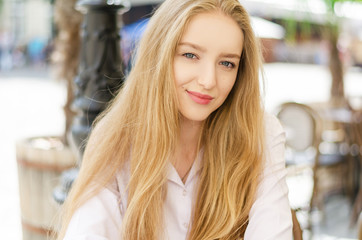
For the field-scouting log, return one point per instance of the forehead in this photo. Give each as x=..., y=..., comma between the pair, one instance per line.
x=214, y=30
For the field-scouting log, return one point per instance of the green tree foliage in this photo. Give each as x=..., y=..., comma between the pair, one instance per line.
x=330, y=30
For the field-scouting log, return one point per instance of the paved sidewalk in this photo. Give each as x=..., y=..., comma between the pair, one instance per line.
x=31, y=106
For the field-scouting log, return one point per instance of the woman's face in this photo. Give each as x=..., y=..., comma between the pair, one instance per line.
x=206, y=64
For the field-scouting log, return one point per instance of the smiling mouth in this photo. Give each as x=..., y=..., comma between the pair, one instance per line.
x=200, y=98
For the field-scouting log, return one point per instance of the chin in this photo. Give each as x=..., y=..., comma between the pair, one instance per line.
x=195, y=118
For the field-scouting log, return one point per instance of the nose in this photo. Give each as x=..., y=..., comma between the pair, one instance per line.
x=208, y=76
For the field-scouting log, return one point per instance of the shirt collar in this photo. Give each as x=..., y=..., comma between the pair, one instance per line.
x=195, y=169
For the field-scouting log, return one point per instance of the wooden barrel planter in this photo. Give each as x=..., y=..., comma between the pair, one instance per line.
x=40, y=162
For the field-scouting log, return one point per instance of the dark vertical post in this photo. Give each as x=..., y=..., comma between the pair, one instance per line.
x=99, y=77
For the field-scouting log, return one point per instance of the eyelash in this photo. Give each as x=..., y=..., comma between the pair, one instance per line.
x=224, y=63
x=189, y=55
x=227, y=64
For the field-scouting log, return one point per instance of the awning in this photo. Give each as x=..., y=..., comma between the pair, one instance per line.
x=267, y=29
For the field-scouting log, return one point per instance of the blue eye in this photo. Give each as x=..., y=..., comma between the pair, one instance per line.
x=189, y=55
x=228, y=64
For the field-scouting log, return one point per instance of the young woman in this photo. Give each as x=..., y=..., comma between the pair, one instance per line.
x=185, y=151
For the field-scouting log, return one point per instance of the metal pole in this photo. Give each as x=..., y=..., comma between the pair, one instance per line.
x=100, y=74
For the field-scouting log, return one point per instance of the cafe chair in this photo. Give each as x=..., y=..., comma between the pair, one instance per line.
x=356, y=151
x=297, y=230
x=360, y=226
x=337, y=148
x=308, y=167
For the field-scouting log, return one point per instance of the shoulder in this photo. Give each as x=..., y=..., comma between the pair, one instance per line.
x=273, y=128
x=97, y=218
x=274, y=140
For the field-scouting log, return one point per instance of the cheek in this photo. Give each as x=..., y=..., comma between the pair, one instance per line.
x=184, y=72
x=179, y=77
x=180, y=72
x=227, y=85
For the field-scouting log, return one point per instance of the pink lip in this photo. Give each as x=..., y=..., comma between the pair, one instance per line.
x=200, y=98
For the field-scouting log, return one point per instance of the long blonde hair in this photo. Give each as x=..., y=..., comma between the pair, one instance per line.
x=142, y=125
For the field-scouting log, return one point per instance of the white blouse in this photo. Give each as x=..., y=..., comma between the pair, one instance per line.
x=100, y=218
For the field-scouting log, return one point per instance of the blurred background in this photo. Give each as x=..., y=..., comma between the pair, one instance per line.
x=62, y=60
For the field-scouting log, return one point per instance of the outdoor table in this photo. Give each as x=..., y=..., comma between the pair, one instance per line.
x=351, y=123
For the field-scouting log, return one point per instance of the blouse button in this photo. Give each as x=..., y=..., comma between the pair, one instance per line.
x=184, y=193
x=186, y=225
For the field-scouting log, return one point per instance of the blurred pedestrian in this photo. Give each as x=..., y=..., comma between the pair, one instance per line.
x=5, y=50
x=36, y=52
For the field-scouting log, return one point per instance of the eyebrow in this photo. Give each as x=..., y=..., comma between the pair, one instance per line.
x=200, y=48
x=231, y=55
x=195, y=46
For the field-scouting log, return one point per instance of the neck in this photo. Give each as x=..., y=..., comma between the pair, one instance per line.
x=187, y=147
x=189, y=137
